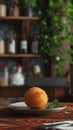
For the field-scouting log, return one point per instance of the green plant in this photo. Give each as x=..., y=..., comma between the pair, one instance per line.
x=56, y=23
x=31, y=3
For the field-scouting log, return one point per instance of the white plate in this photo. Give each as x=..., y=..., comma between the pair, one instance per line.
x=22, y=107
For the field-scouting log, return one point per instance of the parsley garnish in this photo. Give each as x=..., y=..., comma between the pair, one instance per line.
x=55, y=103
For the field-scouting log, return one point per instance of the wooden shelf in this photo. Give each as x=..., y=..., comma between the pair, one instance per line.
x=21, y=25
x=18, y=18
x=20, y=55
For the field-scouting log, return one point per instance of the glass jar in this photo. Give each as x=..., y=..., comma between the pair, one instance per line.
x=3, y=10
x=37, y=71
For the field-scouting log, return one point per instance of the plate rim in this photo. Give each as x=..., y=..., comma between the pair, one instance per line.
x=11, y=105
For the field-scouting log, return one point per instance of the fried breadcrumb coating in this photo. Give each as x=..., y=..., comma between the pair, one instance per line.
x=36, y=98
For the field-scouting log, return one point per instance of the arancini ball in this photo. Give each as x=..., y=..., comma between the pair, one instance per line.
x=36, y=98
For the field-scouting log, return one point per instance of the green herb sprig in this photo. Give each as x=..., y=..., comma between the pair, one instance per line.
x=55, y=104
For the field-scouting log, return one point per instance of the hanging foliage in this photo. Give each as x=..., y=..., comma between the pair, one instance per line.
x=56, y=28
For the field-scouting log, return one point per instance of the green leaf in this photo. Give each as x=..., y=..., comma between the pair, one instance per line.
x=50, y=106
x=55, y=103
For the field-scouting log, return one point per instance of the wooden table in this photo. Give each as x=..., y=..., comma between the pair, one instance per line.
x=10, y=120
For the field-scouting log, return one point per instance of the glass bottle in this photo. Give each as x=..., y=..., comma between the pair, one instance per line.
x=23, y=44
x=17, y=76
x=1, y=74
x=14, y=9
x=2, y=43
x=4, y=75
x=13, y=71
x=12, y=42
x=34, y=44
